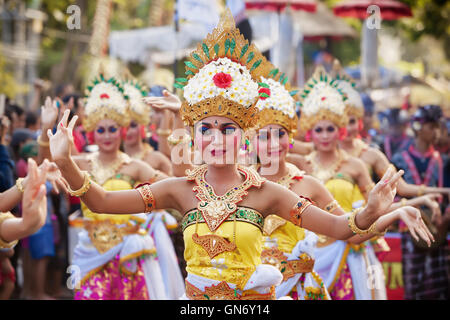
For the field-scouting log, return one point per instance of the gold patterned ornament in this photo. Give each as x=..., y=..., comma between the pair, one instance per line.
x=84, y=188
x=297, y=211
x=288, y=268
x=19, y=185
x=221, y=77
x=352, y=223
x=222, y=291
x=102, y=172
x=216, y=209
x=326, y=173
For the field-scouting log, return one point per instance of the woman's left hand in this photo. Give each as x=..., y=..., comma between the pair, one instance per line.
x=54, y=176
x=381, y=196
x=413, y=220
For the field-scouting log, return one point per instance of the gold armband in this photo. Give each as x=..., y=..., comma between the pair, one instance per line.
x=352, y=223
x=173, y=142
x=42, y=143
x=4, y=244
x=297, y=211
x=147, y=197
x=163, y=132
x=403, y=202
x=19, y=185
x=84, y=188
x=333, y=205
x=421, y=190
x=373, y=230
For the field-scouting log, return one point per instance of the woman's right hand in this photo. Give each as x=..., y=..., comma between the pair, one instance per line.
x=169, y=101
x=429, y=200
x=34, y=201
x=49, y=113
x=62, y=141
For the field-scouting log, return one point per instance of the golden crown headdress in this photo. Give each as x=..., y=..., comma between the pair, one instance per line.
x=277, y=101
x=322, y=99
x=135, y=90
x=354, y=104
x=105, y=99
x=221, y=77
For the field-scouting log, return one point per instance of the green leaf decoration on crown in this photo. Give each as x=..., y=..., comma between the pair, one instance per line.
x=138, y=85
x=320, y=76
x=225, y=41
x=101, y=78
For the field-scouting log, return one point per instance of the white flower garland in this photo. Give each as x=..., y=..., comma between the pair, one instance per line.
x=115, y=101
x=323, y=96
x=353, y=97
x=279, y=98
x=242, y=90
x=135, y=96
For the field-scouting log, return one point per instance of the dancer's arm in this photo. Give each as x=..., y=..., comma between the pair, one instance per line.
x=34, y=209
x=320, y=221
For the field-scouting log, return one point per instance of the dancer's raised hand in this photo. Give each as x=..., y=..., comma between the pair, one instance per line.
x=381, y=196
x=49, y=113
x=168, y=101
x=61, y=142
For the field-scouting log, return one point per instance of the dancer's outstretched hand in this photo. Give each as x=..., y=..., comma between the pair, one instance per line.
x=54, y=176
x=49, y=113
x=62, y=141
x=34, y=202
x=413, y=220
x=169, y=101
x=382, y=195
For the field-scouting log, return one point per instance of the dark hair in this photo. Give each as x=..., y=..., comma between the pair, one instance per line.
x=31, y=118
x=427, y=113
x=76, y=98
x=395, y=116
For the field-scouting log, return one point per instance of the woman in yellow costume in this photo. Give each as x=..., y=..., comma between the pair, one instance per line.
x=289, y=247
x=158, y=221
x=375, y=160
x=116, y=255
x=224, y=204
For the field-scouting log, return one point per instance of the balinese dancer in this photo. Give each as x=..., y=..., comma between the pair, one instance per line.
x=425, y=271
x=158, y=221
x=342, y=265
x=224, y=204
x=291, y=248
x=116, y=255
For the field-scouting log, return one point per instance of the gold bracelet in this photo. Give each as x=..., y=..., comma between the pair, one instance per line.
x=373, y=230
x=352, y=223
x=84, y=188
x=173, y=142
x=421, y=190
x=4, y=244
x=403, y=202
x=43, y=143
x=297, y=211
x=19, y=185
x=163, y=132
x=147, y=197
x=333, y=205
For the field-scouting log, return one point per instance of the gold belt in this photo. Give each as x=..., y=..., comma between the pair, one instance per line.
x=222, y=291
x=288, y=268
x=105, y=234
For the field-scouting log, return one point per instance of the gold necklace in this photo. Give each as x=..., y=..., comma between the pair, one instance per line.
x=101, y=172
x=216, y=209
x=293, y=172
x=358, y=148
x=322, y=173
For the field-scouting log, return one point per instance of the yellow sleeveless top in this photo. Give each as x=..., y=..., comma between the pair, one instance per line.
x=344, y=190
x=231, y=266
x=283, y=232
x=118, y=182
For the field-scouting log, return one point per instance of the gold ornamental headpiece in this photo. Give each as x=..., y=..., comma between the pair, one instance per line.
x=354, y=104
x=322, y=99
x=221, y=77
x=135, y=90
x=277, y=101
x=105, y=99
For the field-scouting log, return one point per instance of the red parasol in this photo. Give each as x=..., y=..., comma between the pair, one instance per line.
x=389, y=9
x=279, y=5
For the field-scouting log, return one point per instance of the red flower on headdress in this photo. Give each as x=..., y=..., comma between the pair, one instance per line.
x=264, y=93
x=104, y=95
x=222, y=80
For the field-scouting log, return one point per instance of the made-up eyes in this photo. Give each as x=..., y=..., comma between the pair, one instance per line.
x=352, y=121
x=329, y=129
x=101, y=130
